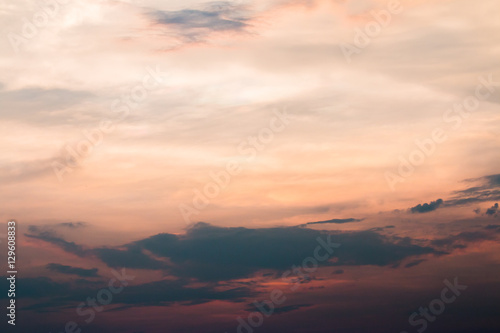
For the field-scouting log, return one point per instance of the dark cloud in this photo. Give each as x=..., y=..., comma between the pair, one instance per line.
x=338, y=271
x=460, y=240
x=166, y=292
x=487, y=189
x=56, y=295
x=52, y=238
x=82, y=272
x=37, y=287
x=427, y=207
x=334, y=221
x=493, y=227
x=210, y=253
x=131, y=256
x=281, y=309
x=480, y=196
x=414, y=263
x=493, y=210
x=382, y=228
x=491, y=180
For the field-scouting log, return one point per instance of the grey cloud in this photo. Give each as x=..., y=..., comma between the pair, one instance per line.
x=493, y=210
x=192, y=19
x=27, y=170
x=414, y=263
x=73, y=225
x=335, y=221
x=488, y=189
x=194, y=25
x=210, y=253
x=460, y=240
x=427, y=207
x=41, y=105
x=70, y=270
x=52, y=238
x=38, y=287
x=493, y=227
x=58, y=295
x=281, y=309
x=131, y=256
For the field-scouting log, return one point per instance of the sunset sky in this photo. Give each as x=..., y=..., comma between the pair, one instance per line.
x=205, y=146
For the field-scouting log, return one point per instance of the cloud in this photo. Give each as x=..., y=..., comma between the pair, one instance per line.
x=196, y=19
x=491, y=180
x=82, y=272
x=427, y=207
x=52, y=238
x=41, y=105
x=166, y=292
x=495, y=227
x=493, y=210
x=414, y=263
x=334, y=221
x=460, y=240
x=488, y=189
x=211, y=253
x=28, y=170
x=73, y=225
x=38, y=287
x=158, y=293
x=194, y=25
x=131, y=256
x=281, y=309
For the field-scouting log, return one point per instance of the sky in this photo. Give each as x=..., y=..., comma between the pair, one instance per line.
x=185, y=157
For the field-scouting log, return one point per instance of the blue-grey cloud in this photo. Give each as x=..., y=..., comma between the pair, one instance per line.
x=488, y=189
x=461, y=240
x=70, y=270
x=281, y=309
x=73, y=225
x=414, y=263
x=195, y=25
x=211, y=253
x=208, y=252
x=427, y=207
x=334, y=221
x=52, y=238
x=52, y=294
x=195, y=19
x=493, y=210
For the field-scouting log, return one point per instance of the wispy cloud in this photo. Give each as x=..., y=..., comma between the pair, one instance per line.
x=427, y=207
x=334, y=221
x=70, y=270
